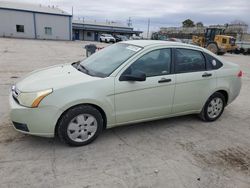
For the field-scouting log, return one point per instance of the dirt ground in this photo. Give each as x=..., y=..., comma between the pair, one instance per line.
x=175, y=152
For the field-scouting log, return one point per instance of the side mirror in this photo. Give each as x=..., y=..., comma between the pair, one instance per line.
x=135, y=76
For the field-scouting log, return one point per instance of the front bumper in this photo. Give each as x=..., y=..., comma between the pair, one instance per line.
x=111, y=40
x=39, y=121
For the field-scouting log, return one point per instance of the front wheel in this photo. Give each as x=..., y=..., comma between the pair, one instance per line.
x=80, y=125
x=213, y=108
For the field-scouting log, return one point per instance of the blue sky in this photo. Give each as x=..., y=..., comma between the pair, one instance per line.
x=161, y=12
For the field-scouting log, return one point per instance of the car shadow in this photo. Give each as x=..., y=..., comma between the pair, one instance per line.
x=136, y=128
x=162, y=123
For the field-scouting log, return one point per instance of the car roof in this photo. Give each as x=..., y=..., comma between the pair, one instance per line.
x=148, y=43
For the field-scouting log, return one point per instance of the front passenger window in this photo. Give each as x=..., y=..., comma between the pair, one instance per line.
x=154, y=63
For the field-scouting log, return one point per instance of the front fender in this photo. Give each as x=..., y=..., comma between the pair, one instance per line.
x=107, y=107
x=95, y=92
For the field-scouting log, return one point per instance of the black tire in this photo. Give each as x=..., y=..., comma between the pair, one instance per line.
x=221, y=53
x=242, y=50
x=73, y=113
x=204, y=114
x=213, y=48
x=100, y=40
x=237, y=51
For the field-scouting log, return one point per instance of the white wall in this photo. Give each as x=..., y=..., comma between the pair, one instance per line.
x=9, y=20
x=59, y=25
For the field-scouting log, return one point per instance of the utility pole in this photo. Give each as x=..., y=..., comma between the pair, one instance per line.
x=129, y=22
x=148, y=28
x=72, y=11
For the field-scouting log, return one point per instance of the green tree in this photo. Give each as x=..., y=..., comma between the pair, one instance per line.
x=188, y=23
x=199, y=24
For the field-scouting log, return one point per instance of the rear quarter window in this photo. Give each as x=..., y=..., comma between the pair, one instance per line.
x=212, y=63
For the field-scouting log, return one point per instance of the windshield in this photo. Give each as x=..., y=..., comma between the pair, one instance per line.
x=105, y=61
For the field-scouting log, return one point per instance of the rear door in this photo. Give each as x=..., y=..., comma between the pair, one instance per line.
x=194, y=82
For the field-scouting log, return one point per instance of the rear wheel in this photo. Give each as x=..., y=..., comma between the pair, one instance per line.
x=237, y=51
x=214, y=107
x=221, y=53
x=80, y=125
x=213, y=48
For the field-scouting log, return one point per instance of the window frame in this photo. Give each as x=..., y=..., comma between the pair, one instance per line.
x=171, y=67
x=89, y=34
x=18, y=25
x=46, y=28
x=174, y=62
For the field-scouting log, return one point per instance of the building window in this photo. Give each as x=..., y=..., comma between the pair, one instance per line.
x=89, y=34
x=48, y=30
x=20, y=28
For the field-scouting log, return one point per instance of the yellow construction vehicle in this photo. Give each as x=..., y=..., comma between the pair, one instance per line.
x=216, y=41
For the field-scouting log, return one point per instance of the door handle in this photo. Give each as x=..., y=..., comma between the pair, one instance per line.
x=206, y=74
x=164, y=80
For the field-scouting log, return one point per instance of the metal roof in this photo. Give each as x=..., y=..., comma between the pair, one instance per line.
x=108, y=24
x=103, y=27
x=28, y=7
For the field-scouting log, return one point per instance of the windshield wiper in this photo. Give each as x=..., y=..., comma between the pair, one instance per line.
x=83, y=69
x=91, y=73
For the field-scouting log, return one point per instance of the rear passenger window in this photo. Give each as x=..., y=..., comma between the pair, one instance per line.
x=189, y=61
x=212, y=63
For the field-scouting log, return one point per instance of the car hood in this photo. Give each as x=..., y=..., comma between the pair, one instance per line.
x=54, y=77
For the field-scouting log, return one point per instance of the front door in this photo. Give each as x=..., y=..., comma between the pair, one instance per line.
x=193, y=82
x=77, y=36
x=141, y=100
x=96, y=36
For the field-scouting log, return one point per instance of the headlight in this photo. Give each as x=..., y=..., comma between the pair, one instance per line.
x=32, y=99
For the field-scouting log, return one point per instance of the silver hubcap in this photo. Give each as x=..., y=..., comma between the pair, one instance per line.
x=82, y=127
x=215, y=108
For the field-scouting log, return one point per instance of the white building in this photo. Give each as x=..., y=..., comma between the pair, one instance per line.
x=34, y=21
x=91, y=31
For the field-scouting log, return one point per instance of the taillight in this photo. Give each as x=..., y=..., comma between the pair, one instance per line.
x=240, y=74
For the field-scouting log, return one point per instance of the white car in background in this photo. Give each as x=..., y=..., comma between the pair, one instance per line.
x=134, y=37
x=124, y=83
x=107, y=38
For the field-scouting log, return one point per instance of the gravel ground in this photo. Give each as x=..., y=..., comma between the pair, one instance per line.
x=175, y=152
